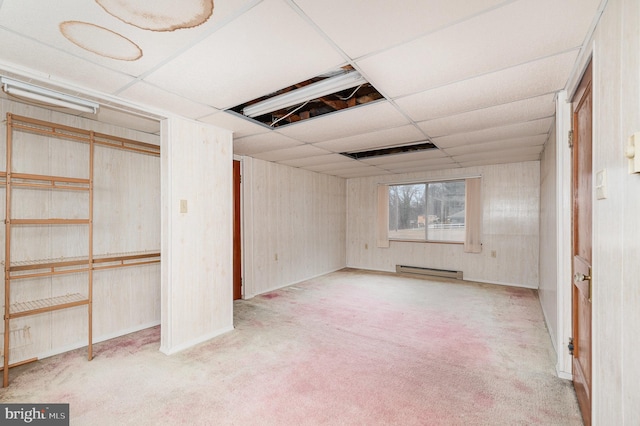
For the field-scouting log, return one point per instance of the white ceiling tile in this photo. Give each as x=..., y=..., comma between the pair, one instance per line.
x=502, y=160
x=257, y=144
x=412, y=163
x=356, y=28
x=338, y=167
x=369, y=171
x=504, y=154
x=41, y=21
x=532, y=79
x=239, y=125
x=362, y=119
x=58, y=65
x=513, y=34
x=300, y=151
x=529, y=128
x=416, y=169
x=378, y=139
x=244, y=59
x=499, y=145
x=515, y=112
x=318, y=160
x=146, y=94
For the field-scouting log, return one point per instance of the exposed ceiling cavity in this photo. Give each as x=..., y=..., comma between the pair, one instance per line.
x=291, y=105
x=422, y=146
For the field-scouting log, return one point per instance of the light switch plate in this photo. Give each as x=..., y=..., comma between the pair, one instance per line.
x=632, y=152
x=601, y=184
x=183, y=206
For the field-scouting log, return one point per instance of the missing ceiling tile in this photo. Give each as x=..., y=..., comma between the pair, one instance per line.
x=423, y=146
x=326, y=93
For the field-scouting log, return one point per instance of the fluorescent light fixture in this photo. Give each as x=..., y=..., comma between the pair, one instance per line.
x=51, y=97
x=312, y=91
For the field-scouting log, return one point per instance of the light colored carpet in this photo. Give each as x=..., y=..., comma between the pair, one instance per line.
x=348, y=348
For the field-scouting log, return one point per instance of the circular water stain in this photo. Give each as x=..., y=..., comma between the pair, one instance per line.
x=100, y=40
x=160, y=15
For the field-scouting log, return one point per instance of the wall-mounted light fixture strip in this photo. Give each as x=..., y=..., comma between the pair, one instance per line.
x=47, y=96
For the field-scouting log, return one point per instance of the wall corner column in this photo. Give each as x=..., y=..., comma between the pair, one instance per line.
x=197, y=239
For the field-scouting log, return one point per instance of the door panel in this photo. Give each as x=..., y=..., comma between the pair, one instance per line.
x=237, y=242
x=582, y=243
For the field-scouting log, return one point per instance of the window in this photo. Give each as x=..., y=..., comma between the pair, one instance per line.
x=433, y=211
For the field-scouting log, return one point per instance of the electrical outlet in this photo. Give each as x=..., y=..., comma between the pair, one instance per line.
x=183, y=206
x=493, y=253
x=366, y=246
x=276, y=257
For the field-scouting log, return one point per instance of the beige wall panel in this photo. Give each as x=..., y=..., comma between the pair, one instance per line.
x=126, y=201
x=630, y=193
x=548, y=289
x=608, y=225
x=196, y=244
x=294, y=225
x=616, y=234
x=510, y=194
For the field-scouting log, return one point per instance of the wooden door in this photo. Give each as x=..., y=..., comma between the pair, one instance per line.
x=582, y=241
x=237, y=245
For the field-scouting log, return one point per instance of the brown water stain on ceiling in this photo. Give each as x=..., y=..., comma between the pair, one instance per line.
x=101, y=41
x=159, y=15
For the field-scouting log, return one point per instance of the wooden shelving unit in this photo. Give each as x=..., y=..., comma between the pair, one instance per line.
x=19, y=270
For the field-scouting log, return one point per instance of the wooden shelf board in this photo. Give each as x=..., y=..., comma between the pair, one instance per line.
x=47, y=305
x=124, y=259
x=49, y=221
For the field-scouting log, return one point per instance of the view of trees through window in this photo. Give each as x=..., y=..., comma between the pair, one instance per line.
x=431, y=211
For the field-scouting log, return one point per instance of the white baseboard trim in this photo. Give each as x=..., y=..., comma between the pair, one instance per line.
x=501, y=283
x=292, y=283
x=186, y=345
x=563, y=374
x=477, y=280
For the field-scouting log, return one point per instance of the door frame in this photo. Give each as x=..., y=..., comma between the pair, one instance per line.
x=585, y=84
x=564, y=124
x=240, y=159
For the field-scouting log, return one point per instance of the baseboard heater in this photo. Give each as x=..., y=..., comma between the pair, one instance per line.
x=429, y=271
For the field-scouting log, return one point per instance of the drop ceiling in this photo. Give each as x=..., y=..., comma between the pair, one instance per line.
x=476, y=77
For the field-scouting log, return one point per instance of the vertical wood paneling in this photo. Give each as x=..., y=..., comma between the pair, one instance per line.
x=197, y=279
x=616, y=234
x=295, y=223
x=548, y=289
x=126, y=218
x=510, y=195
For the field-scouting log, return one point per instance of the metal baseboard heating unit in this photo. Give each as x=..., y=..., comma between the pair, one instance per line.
x=443, y=273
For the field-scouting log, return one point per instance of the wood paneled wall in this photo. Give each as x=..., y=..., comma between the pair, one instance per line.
x=548, y=289
x=294, y=225
x=511, y=200
x=126, y=219
x=197, y=296
x=616, y=230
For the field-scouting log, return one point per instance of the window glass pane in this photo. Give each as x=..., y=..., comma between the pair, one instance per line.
x=407, y=217
x=445, y=211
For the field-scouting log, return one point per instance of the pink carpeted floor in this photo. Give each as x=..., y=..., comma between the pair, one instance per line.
x=348, y=348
